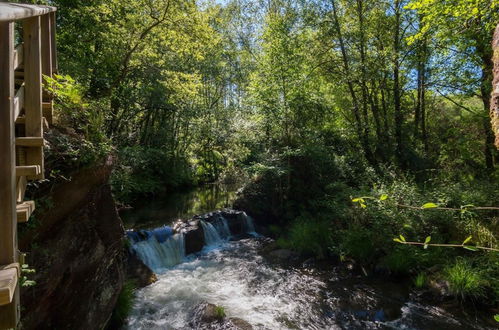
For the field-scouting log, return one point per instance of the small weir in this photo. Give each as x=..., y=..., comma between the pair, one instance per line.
x=208, y=260
x=164, y=247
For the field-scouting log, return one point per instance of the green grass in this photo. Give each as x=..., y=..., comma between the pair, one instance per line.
x=420, y=280
x=220, y=312
x=465, y=281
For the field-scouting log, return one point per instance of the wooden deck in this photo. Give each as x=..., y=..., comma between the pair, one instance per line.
x=25, y=111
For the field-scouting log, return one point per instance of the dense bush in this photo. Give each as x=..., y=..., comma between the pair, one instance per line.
x=141, y=171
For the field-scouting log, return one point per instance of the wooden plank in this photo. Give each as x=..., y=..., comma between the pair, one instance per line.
x=18, y=102
x=17, y=11
x=22, y=120
x=48, y=111
x=18, y=56
x=46, y=51
x=24, y=211
x=28, y=170
x=53, y=43
x=30, y=142
x=33, y=89
x=8, y=282
x=9, y=314
x=22, y=183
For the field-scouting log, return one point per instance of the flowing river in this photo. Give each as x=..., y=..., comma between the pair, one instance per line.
x=243, y=278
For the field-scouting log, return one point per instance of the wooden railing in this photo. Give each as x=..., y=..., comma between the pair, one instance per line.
x=25, y=110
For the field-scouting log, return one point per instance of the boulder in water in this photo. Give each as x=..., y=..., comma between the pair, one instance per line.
x=207, y=313
x=138, y=271
x=239, y=324
x=194, y=238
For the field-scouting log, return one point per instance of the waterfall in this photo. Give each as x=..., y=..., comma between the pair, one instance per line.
x=222, y=226
x=158, y=255
x=211, y=236
x=248, y=224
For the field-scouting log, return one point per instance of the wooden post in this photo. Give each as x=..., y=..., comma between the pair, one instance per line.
x=33, y=90
x=53, y=42
x=9, y=314
x=46, y=44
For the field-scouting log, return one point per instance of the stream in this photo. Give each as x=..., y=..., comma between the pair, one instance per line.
x=244, y=278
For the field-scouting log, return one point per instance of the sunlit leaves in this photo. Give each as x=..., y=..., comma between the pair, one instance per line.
x=429, y=206
x=467, y=240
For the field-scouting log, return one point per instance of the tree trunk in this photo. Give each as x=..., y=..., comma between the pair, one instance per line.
x=355, y=102
x=485, y=91
x=396, y=86
x=494, y=102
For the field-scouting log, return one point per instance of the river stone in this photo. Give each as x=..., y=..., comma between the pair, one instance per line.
x=239, y=324
x=194, y=238
x=138, y=271
x=205, y=313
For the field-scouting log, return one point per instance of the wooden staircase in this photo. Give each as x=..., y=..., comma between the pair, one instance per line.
x=25, y=111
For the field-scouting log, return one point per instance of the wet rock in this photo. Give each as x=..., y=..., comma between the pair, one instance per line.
x=439, y=287
x=239, y=324
x=138, y=271
x=206, y=313
x=194, y=238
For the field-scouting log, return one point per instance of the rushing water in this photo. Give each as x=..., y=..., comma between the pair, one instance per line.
x=236, y=276
x=249, y=284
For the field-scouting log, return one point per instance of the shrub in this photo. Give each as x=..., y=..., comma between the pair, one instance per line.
x=400, y=260
x=144, y=171
x=307, y=237
x=465, y=281
x=357, y=243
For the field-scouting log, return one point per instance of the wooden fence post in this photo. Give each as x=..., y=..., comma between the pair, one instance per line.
x=46, y=44
x=9, y=314
x=33, y=90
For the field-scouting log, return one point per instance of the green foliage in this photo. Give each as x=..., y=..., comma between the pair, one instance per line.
x=420, y=280
x=25, y=271
x=308, y=237
x=357, y=243
x=219, y=312
x=465, y=281
x=123, y=306
x=400, y=260
x=145, y=171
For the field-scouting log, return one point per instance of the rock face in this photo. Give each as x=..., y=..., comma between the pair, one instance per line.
x=77, y=251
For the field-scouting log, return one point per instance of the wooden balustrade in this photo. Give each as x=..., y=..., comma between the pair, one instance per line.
x=25, y=109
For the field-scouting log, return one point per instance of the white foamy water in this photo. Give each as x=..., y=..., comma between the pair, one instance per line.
x=233, y=276
x=160, y=256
